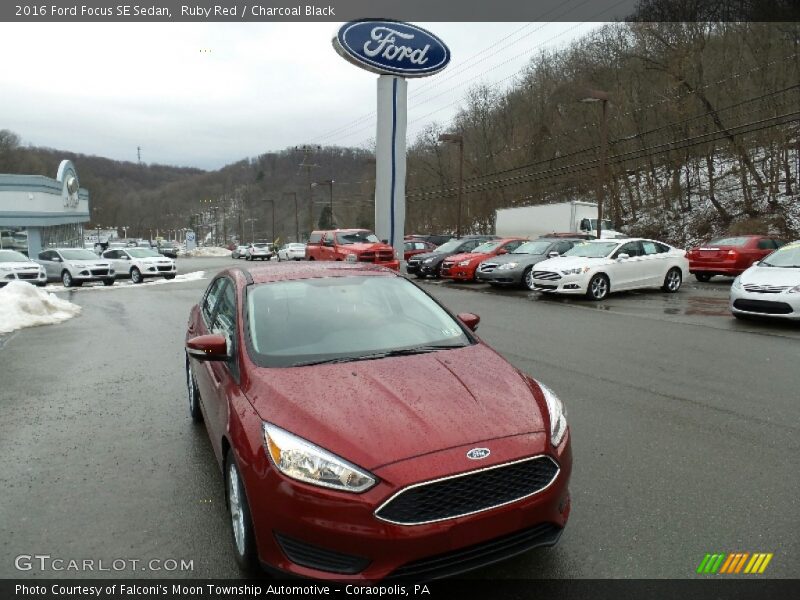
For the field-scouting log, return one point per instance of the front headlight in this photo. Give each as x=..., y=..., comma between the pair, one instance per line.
x=558, y=415
x=575, y=271
x=737, y=283
x=463, y=263
x=429, y=260
x=507, y=266
x=794, y=290
x=302, y=460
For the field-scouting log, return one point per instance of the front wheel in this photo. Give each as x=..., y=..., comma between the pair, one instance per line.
x=672, y=282
x=598, y=287
x=108, y=282
x=527, y=278
x=66, y=279
x=703, y=277
x=244, y=539
x=193, y=394
x=136, y=275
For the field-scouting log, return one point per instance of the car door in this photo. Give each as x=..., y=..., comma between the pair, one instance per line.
x=655, y=263
x=51, y=263
x=208, y=382
x=118, y=262
x=626, y=273
x=327, y=250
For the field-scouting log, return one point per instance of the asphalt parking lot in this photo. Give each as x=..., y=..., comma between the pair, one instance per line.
x=685, y=427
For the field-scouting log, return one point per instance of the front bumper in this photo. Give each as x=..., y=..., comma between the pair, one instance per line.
x=298, y=523
x=459, y=273
x=92, y=274
x=569, y=284
x=500, y=277
x=34, y=276
x=157, y=270
x=777, y=306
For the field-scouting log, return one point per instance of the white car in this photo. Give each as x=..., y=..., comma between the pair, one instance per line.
x=597, y=267
x=75, y=266
x=771, y=287
x=15, y=265
x=140, y=263
x=259, y=250
x=293, y=251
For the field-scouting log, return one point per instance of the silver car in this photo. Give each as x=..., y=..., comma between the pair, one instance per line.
x=259, y=250
x=140, y=263
x=514, y=268
x=75, y=266
x=771, y=287
x=16, y=266
x=239, y=252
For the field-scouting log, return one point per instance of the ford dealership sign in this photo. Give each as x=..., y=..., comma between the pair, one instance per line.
x=391, y=48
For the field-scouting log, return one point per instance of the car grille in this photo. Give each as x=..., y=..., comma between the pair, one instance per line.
x=479, y=555
x=165, y=267
x=469, y=493
x=376, y=257
x=314, y=557
x=546, y=275
x=99, y=271
x=765, y=289
x=544, y=286
x=487, y=267
x=33, y=275
x=763, y=306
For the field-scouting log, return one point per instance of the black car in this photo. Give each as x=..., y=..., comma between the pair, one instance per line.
x=168, y=250
x=423, y=265
x=436, y=240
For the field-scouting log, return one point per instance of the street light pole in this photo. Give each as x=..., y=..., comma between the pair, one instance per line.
x=296, y=216
x=602, y=98
x=457, y=138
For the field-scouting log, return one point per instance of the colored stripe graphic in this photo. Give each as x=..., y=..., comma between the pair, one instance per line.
x=734, y=563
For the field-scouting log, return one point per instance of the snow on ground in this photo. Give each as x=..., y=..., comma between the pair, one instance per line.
x=208, y=252
x=24, y=305
x=126, y=283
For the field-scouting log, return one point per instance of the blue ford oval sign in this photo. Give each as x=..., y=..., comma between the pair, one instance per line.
x=478, y=453
x=391, y=48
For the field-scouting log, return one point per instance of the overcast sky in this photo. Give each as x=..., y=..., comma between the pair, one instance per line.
x=205, y=95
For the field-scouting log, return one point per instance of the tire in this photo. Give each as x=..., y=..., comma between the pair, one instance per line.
x=170, y=276
x=66, y=279
x=242, y=534
x=598, y=288
x=108, y=282
x=136, y=275
x=527, y=278
x=703, y=277
x=672, y=281
x=193, y=394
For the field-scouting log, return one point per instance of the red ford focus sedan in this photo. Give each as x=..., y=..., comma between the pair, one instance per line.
x=357, y=432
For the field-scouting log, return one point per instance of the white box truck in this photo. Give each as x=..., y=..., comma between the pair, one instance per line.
x=543, y=219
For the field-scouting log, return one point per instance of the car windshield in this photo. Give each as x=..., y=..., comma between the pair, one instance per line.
x=450, y=246
x=592, y=250
x=486, y=247
x=261, y=245
x=786, y=257
x=292, y=323
x=356, y=237
x=532, y=248
x=12, y=256
x=142, y=253
x=78, y=254
x=729, y=241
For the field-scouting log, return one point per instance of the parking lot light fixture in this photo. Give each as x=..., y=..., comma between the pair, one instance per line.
x=593, y=96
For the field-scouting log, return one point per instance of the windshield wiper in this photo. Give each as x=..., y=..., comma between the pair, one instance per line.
x=389, y=353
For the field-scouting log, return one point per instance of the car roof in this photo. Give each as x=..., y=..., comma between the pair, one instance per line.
x=312, y=270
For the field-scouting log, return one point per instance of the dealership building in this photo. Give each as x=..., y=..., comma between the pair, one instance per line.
x=38, y=212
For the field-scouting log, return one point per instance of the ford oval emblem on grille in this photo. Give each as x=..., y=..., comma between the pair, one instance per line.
x=478, y=453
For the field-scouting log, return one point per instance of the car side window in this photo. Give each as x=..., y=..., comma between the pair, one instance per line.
x=511, y=246
x=631, y=249
x=778, y=243
x=225, y=320
x=211, y=300
x=765, y=244
x=469, y=246
x=562, y=247
x=650, y=248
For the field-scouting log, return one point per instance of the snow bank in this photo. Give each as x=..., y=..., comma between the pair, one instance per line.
x=24, y=305
x=208, y=252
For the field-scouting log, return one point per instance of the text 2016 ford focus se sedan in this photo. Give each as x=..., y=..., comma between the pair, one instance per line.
x=358, y=435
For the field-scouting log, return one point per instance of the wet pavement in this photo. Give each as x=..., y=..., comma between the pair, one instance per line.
x=684, y=424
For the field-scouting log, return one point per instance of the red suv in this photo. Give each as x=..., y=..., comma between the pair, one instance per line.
x=463, y=267
x=357, y=432
x=355, y=245
x=730, y=255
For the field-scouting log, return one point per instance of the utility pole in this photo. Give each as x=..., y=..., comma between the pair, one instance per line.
x=139, y=154
x=602, y=97
x=296, y=216
x=457, y=138
x=307, y=149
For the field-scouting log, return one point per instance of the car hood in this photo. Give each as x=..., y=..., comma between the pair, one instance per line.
x=523, y=259
x=365, y=247
x=778, y=276
x=154, y=259
x=427, y=255
x=570, y=262
x=376, y=412
x=103, y=262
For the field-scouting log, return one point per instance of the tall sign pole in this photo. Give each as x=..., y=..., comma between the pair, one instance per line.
x=396, y=51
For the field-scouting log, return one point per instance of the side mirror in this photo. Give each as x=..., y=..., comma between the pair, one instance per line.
x=623, y=256
x=553, y=254
x=502, y=251
x=470, y=320
x=57, y=259
x=208, y=347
